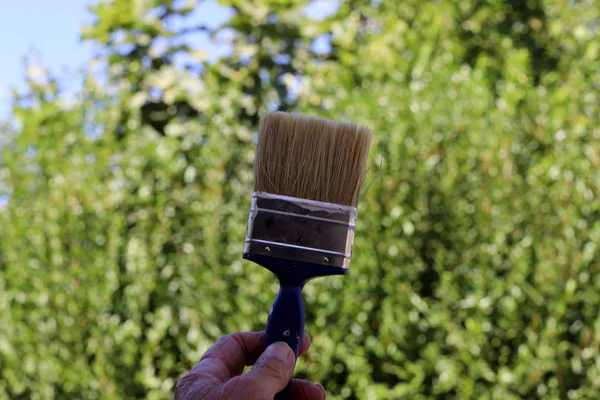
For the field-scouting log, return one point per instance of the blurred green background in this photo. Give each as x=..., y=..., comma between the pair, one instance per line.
x=123, y=203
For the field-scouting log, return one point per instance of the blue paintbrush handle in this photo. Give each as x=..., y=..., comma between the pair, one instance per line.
x=286, y=323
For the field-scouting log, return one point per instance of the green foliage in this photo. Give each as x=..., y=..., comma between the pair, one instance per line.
x=476, y=265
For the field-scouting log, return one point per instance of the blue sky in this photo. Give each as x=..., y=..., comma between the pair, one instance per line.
x=49, y=30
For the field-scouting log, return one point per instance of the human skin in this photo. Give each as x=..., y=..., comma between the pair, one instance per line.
x=218, y=374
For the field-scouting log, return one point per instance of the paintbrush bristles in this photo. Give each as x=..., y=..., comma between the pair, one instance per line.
x=311, y=158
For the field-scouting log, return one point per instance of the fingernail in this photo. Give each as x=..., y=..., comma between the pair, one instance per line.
x=281, y=351
x=322, y=390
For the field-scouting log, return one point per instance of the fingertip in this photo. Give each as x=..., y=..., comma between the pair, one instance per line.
x=272, y=371
x=281, y=351
x=322, y=390
x=305, y=345
x=307, y=338
x=306, y=390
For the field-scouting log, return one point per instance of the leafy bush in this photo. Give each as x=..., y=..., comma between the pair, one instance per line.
x=476, y=264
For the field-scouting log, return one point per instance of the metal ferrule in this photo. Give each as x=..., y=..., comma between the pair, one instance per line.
x=301, y=230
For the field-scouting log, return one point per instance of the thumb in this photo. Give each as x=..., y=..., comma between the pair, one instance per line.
x=271, y=372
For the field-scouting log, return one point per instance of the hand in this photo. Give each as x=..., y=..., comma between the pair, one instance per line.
x=218, y=374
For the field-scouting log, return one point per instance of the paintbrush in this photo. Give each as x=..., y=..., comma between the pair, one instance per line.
x=307, y=178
